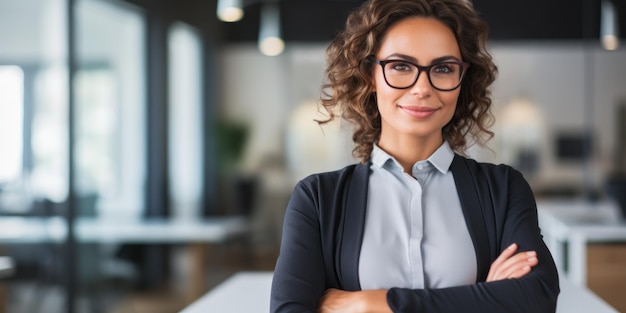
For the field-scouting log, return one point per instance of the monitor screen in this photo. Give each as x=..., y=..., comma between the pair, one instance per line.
x=573, y=146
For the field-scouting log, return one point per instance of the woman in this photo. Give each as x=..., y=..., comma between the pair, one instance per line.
x=416, y=226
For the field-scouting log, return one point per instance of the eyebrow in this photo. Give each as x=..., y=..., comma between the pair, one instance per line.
x=414, y=60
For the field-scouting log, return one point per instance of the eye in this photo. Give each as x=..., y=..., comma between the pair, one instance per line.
x=400, y=66
x=444, y=68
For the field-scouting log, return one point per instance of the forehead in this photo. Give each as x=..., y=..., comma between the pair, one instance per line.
x=422, y=38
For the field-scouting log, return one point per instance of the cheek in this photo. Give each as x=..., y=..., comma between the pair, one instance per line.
x=386, y=98
x=450, y=99
x=378, y=81
x=382, y=94
x=449, y=102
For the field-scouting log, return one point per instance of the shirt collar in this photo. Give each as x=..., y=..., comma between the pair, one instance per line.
x=379, y=157
x=441, y=159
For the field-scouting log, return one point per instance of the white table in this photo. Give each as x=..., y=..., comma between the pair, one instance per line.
x=7, y=266
x=250, y=292
x=576, y=223
x=94, y=230
x=575, y=298
x=195, y=234
x=243, y=292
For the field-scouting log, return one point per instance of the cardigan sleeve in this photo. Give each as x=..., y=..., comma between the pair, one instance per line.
x=516, y=219
x=298, y=282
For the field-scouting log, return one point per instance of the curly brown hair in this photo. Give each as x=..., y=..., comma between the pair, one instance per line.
x=349, y=71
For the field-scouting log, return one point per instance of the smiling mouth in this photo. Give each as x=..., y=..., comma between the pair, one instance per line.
x=419, y=112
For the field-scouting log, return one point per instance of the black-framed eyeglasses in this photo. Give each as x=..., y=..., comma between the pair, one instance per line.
x=443, y=76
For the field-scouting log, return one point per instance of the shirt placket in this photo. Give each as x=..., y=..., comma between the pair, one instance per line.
x=416, y=235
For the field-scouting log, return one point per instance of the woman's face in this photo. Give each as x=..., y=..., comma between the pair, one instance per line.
x=419, y=111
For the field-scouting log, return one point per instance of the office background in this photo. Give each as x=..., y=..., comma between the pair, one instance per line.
x=127, y=110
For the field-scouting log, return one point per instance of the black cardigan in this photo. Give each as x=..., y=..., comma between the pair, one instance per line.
x=323, y=232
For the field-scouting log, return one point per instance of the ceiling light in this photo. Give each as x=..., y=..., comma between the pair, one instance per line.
x=229, y=10
x=270, y=41
x=609, y=34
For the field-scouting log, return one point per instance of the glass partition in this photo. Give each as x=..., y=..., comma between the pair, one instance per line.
x=110, y=145
x=33, y=150
x=110, y=108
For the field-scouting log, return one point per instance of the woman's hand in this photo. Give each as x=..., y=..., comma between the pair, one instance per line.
x=337, y=301
x=508, y=266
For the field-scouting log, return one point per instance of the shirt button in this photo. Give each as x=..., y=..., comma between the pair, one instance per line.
x=420, y=167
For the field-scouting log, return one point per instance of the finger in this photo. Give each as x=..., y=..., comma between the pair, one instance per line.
x=328, y=294
x=520, y=272
x=504, y=255
x=503, y=269
x=513, y=267
x=520, y=269
x=517, y=262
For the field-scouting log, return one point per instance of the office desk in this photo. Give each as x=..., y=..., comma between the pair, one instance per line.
x=7, y=268
x=575, y=224
x=94, y=230
x=250, y=292
x=193, y=233
x=243, y=292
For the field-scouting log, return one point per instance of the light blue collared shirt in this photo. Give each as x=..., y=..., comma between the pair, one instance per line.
x=415, y=232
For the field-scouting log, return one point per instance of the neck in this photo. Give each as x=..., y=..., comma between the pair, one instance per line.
x=407, y=150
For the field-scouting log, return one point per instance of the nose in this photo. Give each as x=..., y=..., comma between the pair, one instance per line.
x=422, y=86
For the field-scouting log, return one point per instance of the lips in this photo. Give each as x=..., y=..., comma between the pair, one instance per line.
x=419, y=111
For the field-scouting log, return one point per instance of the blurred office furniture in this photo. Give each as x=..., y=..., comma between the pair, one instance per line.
x=616, y=190
x=7, y=268
x=44, y=259
x=239, y=189
x=311, y=147
x=620, y=134
x=521, y=130
x=573, y=146
x=588, y=243
x=226, y=297
x=245, y=189
x=194, y=234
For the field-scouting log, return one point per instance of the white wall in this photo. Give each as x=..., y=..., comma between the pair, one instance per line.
x=554, y=76
x=264, y=90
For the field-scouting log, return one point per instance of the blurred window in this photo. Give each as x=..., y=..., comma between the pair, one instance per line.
x=97, y=131
x=110, y=108
x=185, y=113
x=11, y=123
x=49, y=143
